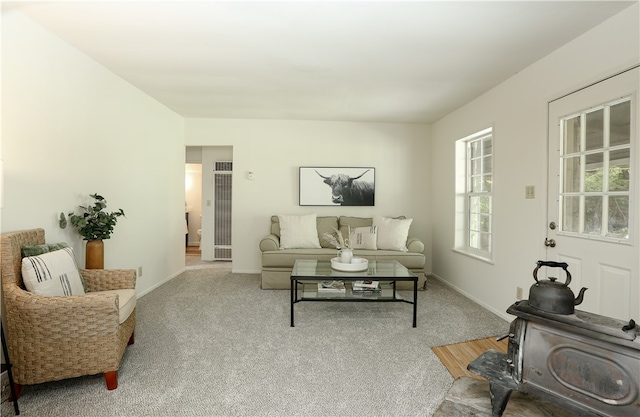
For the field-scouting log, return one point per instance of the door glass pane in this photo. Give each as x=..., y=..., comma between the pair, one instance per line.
x=593, y=215
x=618, y=217
x=595, y=130
x=620, y=128
x=571, y=135
x=593, y=172
x=571, y=214
x=619, y=170
x=571, y=174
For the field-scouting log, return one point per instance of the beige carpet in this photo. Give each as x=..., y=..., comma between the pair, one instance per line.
x=212, y=343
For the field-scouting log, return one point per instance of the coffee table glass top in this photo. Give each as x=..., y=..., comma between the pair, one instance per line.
x=314, y=269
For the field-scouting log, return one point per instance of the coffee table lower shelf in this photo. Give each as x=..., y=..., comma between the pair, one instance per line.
x=308, y=291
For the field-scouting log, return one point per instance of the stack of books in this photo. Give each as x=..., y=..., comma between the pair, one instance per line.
x=366, y=287
x=331, y=287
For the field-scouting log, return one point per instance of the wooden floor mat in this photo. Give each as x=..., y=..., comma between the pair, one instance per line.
x=457, y=356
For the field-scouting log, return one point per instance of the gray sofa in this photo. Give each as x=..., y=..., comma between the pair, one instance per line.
x=277, y=263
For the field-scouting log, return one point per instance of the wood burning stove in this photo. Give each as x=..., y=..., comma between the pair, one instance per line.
x=587, y=363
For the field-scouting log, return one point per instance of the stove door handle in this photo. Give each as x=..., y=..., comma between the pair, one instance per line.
x=504, y=336
x=630, y=326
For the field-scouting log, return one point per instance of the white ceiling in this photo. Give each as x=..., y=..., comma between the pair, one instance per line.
x=380, y=61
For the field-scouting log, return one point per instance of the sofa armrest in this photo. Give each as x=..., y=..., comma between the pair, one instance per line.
x=415, y=245
x=270, y=242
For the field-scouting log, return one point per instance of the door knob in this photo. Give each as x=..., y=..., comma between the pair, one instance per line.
x=550, y=243
x=552, y=225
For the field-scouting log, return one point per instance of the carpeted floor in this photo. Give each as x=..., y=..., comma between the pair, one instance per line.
x=212, y=343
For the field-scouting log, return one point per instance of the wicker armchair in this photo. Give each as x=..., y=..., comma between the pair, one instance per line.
x=54, y=338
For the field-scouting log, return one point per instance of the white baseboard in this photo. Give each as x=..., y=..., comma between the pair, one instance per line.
x=245, y=271
x=502, y=314
x=161, y=283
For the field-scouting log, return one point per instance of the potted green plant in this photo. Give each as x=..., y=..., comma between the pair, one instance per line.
x=93, y=224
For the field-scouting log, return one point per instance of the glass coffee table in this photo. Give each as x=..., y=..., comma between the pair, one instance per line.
x=307, y=273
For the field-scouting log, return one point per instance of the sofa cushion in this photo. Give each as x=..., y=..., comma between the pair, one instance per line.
x=364, y=238
x=392, y=233
x=324, y=224
x=298, y=231
x=52, y=274
x=348, y=222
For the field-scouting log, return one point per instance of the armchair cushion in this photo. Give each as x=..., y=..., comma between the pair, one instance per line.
x=52, y=274
x=126, y=302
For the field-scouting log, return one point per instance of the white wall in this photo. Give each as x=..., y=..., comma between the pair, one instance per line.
x=275, y=149
x=70, y=128
x=517, y=109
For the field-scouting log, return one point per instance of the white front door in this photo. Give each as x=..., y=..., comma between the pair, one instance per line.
x=593, y=207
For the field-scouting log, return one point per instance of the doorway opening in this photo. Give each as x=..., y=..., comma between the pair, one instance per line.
x=193, y=208
x=208, y=181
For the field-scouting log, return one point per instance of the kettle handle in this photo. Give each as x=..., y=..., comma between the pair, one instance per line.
x=553, y=264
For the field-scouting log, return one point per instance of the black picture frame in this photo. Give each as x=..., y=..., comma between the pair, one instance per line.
x=352, y=186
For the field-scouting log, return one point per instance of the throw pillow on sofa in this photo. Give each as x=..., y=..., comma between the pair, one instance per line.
x=298, y=232
x=364, y=238
x=52, y=274
x=392, y=233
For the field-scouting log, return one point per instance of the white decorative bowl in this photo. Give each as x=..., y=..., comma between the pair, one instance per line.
x=352, y=267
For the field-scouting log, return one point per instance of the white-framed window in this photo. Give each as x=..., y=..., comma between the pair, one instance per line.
x=474, y=194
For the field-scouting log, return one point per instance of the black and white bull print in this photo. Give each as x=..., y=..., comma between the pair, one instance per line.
x=348, y=191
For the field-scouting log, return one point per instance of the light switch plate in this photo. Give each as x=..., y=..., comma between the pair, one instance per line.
x=530, y=192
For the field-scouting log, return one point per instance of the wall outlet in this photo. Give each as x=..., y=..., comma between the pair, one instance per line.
x=139, y=271
x=519, y=293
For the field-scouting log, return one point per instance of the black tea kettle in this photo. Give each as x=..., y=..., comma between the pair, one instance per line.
x=552, y=296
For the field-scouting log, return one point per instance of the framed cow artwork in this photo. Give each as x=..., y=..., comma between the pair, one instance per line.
x=337, y=186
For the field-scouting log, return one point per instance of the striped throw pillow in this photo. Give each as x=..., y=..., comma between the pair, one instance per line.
x=52, y=274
